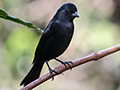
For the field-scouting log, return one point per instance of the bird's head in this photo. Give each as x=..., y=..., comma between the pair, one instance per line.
x=67, y=12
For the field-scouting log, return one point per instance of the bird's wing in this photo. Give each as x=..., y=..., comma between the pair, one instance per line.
x=44, y=38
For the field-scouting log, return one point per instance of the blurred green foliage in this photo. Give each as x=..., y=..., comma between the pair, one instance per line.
x=96, y=29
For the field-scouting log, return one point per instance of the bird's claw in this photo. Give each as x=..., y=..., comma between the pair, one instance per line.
x=68, y=63
x=51, y=73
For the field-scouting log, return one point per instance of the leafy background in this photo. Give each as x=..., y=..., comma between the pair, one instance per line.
x=97, y=28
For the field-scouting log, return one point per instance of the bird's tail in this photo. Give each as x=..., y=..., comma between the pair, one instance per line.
x=33, y=73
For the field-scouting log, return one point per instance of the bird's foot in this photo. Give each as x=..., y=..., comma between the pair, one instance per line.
x=68, y=63
x=65, y=63
x=51, y=73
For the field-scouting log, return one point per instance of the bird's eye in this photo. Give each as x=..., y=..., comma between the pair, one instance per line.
x=68, y=11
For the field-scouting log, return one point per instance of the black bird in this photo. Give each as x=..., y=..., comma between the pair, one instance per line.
x=54, y=41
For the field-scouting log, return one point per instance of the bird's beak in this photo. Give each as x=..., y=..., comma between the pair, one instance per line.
x=75, y=14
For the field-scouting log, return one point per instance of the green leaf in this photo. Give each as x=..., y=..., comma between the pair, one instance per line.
x=4, y=15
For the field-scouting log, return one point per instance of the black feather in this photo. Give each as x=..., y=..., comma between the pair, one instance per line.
x=54, y=41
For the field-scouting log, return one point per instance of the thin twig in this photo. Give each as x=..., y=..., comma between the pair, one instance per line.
x=92, y=57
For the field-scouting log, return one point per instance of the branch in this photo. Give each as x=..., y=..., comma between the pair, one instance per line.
x=92, y=57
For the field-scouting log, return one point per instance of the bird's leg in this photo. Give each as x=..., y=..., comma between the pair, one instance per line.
x=68, y=63
x=51, y=71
